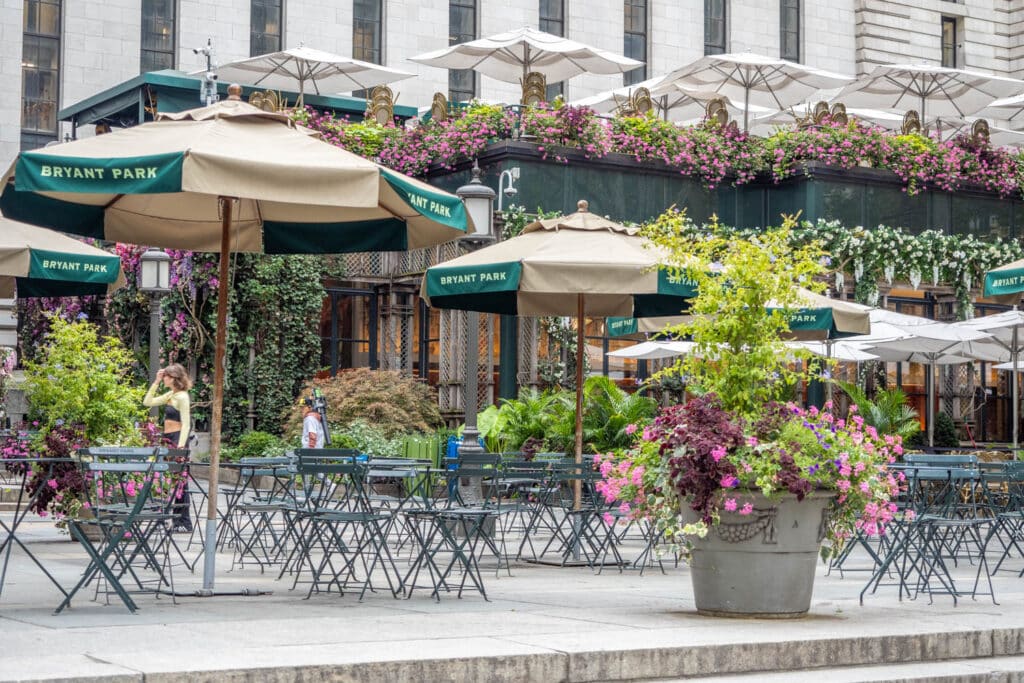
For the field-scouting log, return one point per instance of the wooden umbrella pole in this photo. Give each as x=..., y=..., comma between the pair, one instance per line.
x=580, y=350
x=210, y=542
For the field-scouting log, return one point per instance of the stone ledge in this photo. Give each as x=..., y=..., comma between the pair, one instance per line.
x=518, y=659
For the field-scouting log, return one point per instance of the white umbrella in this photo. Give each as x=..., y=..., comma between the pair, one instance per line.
x=509, y=56
x=1018, y=367
x=932, y=90
x=754, y=80
x=1005, y=330
x=654, y=350
x=840, y=351
x=301, y=68
x=935, y=344
x=679, y=105
x=1006, y=109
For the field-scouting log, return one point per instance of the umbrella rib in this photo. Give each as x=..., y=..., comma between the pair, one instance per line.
x=113, y=201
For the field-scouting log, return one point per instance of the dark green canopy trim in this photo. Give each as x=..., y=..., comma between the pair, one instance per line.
x=502, y=303
x=676, y=285
x=446, y=209
x=808, y=319
x=468, y=280
x=30, y=287
x=659, y=305
x=54, y=265
x=386, y=234
x=1001, y=282
x=620, y=327
x=153, y=174
x=37, y=209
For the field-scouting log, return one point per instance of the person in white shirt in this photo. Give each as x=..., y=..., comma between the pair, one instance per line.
x=312, y=429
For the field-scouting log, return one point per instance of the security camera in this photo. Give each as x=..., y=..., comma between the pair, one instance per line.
x=511, y=192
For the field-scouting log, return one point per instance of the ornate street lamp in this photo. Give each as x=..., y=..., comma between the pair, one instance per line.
x=479, y=200
x=155, y=282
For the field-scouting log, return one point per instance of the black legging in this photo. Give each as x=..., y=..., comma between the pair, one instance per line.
x=182, y=509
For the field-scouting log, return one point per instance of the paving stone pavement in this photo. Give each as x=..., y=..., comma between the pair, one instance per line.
x=542, y=624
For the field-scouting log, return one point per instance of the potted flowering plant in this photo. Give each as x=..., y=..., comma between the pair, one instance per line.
x=750, y=483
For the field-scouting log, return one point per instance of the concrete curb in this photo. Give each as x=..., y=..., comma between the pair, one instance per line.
x=514, y=661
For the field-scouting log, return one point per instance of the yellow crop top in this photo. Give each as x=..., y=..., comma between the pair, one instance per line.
x=176, y=402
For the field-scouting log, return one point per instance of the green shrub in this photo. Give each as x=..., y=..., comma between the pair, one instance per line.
x=81, y=378
x=254, y=445
x=387, y=400
x=367, y=438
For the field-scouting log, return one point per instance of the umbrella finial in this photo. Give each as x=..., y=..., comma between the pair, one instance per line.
x=582, y=205
x=234, y=92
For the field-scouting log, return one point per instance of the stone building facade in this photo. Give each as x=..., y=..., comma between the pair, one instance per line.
x=54, y=53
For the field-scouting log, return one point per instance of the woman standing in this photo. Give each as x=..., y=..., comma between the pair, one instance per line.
x=177, y=422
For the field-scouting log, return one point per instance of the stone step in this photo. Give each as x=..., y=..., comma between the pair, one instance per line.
x=973, y=655
x=980, y=670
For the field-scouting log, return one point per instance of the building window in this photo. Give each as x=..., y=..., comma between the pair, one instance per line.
x=158, y=35
x=40, y=72
x=949, y=56
x=714, y=27
x=461, y=29
x=789, y=24
x=552, y=20
x=265, y=20
x=367, y=25
x=367, y=34
x=636, y=39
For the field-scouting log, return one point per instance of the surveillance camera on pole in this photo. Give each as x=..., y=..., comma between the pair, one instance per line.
x=208, y=87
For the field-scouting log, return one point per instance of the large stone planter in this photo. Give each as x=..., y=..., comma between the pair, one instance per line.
x=762, y=564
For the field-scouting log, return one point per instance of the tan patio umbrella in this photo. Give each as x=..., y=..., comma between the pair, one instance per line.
x=228, y=177
x=815, y=317
x=579, y=265
x=36, y=261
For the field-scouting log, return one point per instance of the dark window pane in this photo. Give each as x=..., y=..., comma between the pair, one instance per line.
x=551, y=10
x=714, y=26
x=264, y=27
x=40, y=69
x=949, y=40
x=461, y=29
x=790, y=30
x=635, y=38
x=366, y=30
x=159, y=35
x=42, y=17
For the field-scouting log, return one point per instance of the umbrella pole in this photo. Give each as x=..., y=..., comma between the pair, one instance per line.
x=930, y=412
x=577, y=494
x=746, y=107
x=1014, y=357
x=210, y=541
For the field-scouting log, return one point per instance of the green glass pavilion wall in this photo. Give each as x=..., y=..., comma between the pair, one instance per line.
x=620, y=187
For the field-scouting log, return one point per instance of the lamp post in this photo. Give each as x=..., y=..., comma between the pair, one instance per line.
x=154, y=281
x=513, y=175
x=479, y=200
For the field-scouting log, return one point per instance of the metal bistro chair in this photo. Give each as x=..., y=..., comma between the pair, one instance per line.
x=1008, y=527
x=487, y=468
x=579, y=532
x=183, y=507
x=310, y=492
x=259, y=524
x=119, y=504
x=347, y=531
